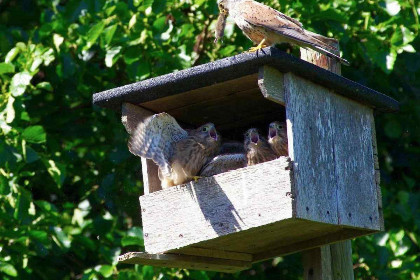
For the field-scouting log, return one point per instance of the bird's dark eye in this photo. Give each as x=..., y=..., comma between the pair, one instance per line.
x=205, y=129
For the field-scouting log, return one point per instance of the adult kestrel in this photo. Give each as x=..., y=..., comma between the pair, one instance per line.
x=257, y=148
x=266, y=26
x=179, y=154
x=277, y=138
x=223, y=163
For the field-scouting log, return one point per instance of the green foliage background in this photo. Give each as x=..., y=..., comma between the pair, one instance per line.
x=68, y=186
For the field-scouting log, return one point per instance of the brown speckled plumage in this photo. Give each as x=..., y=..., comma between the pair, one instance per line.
x=257, y=148
x=259, y=22
x=179, y=154
x=277, y=138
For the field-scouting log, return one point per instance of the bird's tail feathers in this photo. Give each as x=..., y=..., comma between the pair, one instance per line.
x=330, y=54
x=329, y=43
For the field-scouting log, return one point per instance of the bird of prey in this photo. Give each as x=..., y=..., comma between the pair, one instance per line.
x=223, y=163
x=179, y=154
x=266, y=26
x=257, y=148
x=277, y=138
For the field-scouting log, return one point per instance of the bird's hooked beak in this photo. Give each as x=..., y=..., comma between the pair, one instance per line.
x=272, y=132
x=213, y=133
x=254, y=137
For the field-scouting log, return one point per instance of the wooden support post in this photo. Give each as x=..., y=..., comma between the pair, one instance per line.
x=332, y=261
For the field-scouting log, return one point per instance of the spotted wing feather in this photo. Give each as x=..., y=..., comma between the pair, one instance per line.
x=223, y=163
x=155, y=139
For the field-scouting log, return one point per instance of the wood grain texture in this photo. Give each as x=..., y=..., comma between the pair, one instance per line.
x=216, y=206
x=311, y=148
x=377, y=176
x=331, y=149
x=271, y=84
x=341, y=261
x=317, y=264
x=184, y=261
x=324, y=253
x=325, y=234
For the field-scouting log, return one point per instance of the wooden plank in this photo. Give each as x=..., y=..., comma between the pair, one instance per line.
x=326, y=234
x=317, y=264
x=184, y=261
x=271, y=84
x=202, y=94
x=220, y=254
x=333, y=155
x=216, y=206
x=354, y=166
x=341, y=261
x=226, y=109
x=151, y=181
x=377, y=176
x=311, y=148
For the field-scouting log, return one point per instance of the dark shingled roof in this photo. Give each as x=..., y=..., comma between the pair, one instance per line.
x=234, y=67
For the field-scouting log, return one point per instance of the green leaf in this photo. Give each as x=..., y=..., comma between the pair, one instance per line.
x=131, y=240
x=45, y=85
x=12, y=54
x=6, y=68
x=39, y=235
x=34, y=134
x=109, y=33
x=22, y=205
x=8, y=269
x=10, y=110
x=112, y=56
x=105, y=270
x=57, y=171
x=94, y=33
x=19, y=83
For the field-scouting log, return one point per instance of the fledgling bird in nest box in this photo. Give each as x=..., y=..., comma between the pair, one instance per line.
x=257, y=148
x=277, y=138
x=179, y=154
x=266, y=26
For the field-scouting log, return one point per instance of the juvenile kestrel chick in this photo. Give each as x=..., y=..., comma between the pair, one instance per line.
x=257, y=148
x=277, y=138
x=179, y=154
x=266, y=26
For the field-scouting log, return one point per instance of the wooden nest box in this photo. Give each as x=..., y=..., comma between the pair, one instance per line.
x=326, y=192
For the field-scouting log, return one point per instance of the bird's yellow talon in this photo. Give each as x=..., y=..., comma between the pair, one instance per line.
x=196, y=178
x=260, y=46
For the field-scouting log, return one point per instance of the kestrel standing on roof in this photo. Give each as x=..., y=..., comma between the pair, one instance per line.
x=179, y=154
x=257, y=148
x=266, y=26
x=277, y=138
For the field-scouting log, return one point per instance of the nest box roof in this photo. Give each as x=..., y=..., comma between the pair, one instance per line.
x=203, y=92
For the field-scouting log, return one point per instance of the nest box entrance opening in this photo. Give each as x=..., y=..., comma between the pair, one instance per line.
x=326, y=192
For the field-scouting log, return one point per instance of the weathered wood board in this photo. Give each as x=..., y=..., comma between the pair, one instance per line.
x=185, y=261
x=330, y=144
x=211, y=207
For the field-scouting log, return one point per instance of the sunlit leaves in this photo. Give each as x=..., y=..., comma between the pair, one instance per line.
x=34, y=134
x=19, y=83
x=6, y=68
